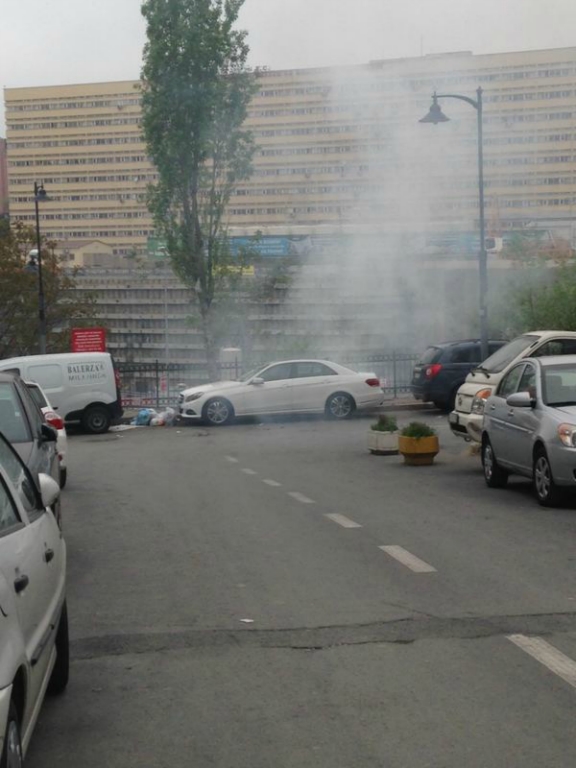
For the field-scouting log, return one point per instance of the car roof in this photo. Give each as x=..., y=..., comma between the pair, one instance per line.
x=443, y=344
x=301, y=360
x=545, y=362
x=8, y=376
x=546, y=334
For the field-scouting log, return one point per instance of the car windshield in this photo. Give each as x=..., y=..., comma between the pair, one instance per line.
x=12, y=420
x=252, y=373
x=506, y=354
x=559, y=385
x=37, y=395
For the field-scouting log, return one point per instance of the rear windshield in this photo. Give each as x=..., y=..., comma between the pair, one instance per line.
x=431, y=355
x=37, y=396
x=13, y=424
x=509, y=352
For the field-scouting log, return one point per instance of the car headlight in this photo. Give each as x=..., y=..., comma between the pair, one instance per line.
x=195, y=396
x=479, y=402
x=567, y=435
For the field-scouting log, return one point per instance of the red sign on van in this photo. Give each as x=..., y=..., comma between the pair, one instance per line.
x=88, y=339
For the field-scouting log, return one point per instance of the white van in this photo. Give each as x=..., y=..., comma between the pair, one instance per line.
x=81, y=386
x=468, y=414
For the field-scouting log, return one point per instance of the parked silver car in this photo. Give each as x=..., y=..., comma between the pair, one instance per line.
x=530, y=427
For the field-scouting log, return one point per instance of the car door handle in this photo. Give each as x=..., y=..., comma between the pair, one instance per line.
x=492, y=407
x=511, y=412
x=49, y=555
x=21, y=583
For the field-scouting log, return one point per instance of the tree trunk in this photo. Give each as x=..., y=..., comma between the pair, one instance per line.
x=212, y=361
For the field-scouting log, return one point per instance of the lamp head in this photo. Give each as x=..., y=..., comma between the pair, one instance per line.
x=435, y=114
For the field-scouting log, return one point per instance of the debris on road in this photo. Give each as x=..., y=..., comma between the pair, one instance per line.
x=149, y=417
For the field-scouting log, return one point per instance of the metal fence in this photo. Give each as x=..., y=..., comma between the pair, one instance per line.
x=158, y=384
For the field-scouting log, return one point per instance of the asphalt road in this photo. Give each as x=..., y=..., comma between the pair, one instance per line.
x=232, y=606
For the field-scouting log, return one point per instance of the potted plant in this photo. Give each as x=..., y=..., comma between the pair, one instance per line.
x=418, y=443
x=383, y=436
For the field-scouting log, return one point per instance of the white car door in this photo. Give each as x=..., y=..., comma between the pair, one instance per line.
x=312, y=383
x=273, y=394
x=32, y=559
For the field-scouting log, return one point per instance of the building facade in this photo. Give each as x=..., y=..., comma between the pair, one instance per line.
x=3, y=179
x=339, y=149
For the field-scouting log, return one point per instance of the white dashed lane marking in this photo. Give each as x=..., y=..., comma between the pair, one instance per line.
x=249, y=471
x=231, y=459
x=546, y=654
x=407, y=559
x=300, y=497
x=342, y=520
x=272, y=483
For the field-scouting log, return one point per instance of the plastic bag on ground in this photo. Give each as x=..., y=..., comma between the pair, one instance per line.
x=144, y=417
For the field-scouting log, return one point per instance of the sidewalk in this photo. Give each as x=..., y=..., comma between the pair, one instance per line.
x=389, y=406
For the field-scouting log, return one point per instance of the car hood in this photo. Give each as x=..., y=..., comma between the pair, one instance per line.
x=569, y=410
x=217, y=386
x=470, y=388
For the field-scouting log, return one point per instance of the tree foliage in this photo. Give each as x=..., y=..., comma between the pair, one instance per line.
x=533, y=249
x=196, y=88
x=549, y=306
x=19, y=296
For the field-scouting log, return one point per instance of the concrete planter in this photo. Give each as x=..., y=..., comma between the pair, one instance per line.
x=383, y=443
x=418, y=451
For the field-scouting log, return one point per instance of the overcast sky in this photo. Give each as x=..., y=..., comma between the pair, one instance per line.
x=50, y=42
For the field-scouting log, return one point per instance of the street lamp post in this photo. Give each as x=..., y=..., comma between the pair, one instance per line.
x=435, y=116
x=39, y=196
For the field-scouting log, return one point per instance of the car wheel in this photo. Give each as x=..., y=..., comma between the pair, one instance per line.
x=547, y=492
x=495, y=476
x=63, y=476
x=340, y=406
x=217, y=412
x=60, y=673
x=96, y=420
x=12, y=752
x=441, y=406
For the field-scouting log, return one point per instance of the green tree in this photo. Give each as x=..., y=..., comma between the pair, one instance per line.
x=196, y=88
x=19, y=297
x=533, y=249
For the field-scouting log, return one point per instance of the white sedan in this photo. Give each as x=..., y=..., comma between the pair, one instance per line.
x=55, y=421
x=291, y=386
x=33, y=618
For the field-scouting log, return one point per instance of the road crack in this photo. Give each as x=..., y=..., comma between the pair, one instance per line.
x=398, y=631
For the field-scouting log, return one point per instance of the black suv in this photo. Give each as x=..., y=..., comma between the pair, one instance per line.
x=443, y=368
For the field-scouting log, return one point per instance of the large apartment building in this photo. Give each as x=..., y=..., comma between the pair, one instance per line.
x=3, y=179
x=339, y=150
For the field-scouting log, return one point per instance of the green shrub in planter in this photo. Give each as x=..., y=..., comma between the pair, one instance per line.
x=417, y=429
x=418, y=444
x=383, y=437
x=385, y=423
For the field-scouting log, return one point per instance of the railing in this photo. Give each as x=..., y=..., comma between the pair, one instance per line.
x=158, y=384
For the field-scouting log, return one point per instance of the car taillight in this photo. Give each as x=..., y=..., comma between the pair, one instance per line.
x=433, y=370
x=373, y=382
x=54, y=420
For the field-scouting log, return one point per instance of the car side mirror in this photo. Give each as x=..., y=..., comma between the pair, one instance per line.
x=49, y=489
x=520, y=400
x=48, y=434
x=257, y=381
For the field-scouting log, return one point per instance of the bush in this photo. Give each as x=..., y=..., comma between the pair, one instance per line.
x=385, y=424
x=417, y=429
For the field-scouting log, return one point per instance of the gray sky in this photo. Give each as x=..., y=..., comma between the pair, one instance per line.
x=49, y=42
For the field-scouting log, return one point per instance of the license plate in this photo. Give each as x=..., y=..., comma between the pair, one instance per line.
x=453, y=418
